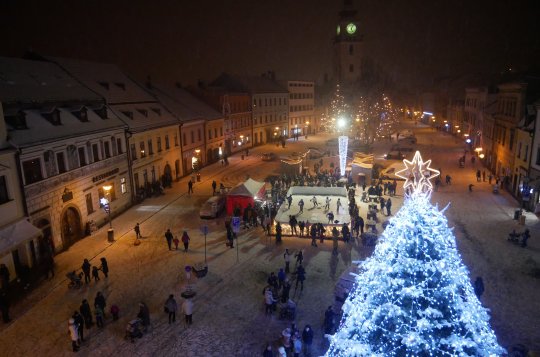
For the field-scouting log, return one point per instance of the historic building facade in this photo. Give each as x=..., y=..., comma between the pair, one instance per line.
x=301, y=107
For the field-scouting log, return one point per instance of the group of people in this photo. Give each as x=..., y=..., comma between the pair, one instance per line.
x=292, y=342
x=170, y=238
x=171, y=307
x=90, y=271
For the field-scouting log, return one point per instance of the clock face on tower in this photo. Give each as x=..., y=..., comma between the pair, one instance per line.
x=351, y=28
x=338, y=29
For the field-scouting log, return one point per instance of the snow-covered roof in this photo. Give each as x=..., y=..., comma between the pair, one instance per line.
x=107, y=80
x=41, y=130
x=183, y=104
x=17, y=233
x=252, y=85
x=39, y=81
x=248, y=188
x=144, y=115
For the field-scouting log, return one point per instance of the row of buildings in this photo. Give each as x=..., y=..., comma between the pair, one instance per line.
x=500, y=124
x=79, y=138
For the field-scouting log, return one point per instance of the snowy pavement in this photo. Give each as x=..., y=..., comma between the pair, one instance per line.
x=229, y=316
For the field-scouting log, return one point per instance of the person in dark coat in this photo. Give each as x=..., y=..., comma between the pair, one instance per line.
x=4, y=277
x=86, y=270
x=104, y=267
x=169, y=237
x=268, y=351
x=4, y=307
x=171, y=307
x=86, y=313
x=95, y=273
x=388, y=207
x=100, y=301
x=300, y=277
x=185, y=240
x=190, y=187
x=214, y=186
x=478, y=287
x=79, y=322
x=329, y=320
x=144, y=315
x=278, y=233
x=307, y=338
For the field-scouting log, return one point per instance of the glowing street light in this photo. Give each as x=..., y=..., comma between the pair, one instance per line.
x=341, y=122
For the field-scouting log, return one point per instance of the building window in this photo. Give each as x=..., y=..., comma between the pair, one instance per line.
x=209, y=134
x=150, y=147
x=4, y=195
x=123, y=185
x=519, y=151
x=351, y=49
x=143, y=151
x=82, y=156
x=144, y=112
x=119, y=146
x=175, y=139
x=159, y=143
x=167, y=144
x=32, y=171
x=53, y=117
x=133, y=152
x=107, y=150
x=61, y=162
x=215, y=132
x=89, y=204
x=50, y=163
x=95, y=152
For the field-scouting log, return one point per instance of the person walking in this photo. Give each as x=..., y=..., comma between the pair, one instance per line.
x=478, y=287
x=73, y=334
x=104, y=267
x=388, y=207
x=4, y=306
x=100, y=302
x=169, y=237
x=95, y=273
x=278, y=233
x=100, y=313
x=315, y=203
x=382, y=203
x=171, y=307
x=338, y=205
x=287, y=258
x=478, y=175
x=86, y=270
x=302, y=226
x=281, y=277
x=79, y=322
x=292, y=224
x=301, y=205
x=187, y=308
x=330, y=216
x=299, y=257
x=484, y=175
x=313, y=233
x=490, y=178
x=137, y=230
x=327, y=204
x=214, y=186
x=86, y=313
x=300, y=277
x=329, y=320
x=335, y=237
x=470, y=187
x=269, y=301
x=144, y=315
x=307, y=338
x=185, y=240
x=289, y=201
x=190, y=187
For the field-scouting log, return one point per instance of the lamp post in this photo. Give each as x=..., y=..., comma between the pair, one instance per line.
x=107, y=206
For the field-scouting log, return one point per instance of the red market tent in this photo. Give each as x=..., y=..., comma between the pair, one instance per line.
x=244, y=194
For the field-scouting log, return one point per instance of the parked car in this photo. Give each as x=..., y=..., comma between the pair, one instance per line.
x=212, y=207
x=269, y=156
x=389, y=173
x=315, y=153
x=394, y=155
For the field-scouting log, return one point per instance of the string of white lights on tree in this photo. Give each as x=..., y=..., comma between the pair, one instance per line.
x=413, y=297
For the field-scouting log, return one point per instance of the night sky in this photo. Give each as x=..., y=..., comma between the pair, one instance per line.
x=182, y=41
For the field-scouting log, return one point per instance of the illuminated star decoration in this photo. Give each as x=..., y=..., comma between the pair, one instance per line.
x=417, y=175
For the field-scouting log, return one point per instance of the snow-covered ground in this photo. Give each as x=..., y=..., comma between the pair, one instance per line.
x=229, y=316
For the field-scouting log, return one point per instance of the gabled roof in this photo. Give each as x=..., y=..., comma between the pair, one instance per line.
x=25, y=81
x=252, y=85
x=107, y=80
x=183, y=104
x=250, y=188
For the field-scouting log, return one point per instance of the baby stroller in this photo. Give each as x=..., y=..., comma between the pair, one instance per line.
x=133, y=330
x=75, y=280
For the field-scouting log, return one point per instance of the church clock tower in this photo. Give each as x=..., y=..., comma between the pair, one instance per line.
x=347, y=47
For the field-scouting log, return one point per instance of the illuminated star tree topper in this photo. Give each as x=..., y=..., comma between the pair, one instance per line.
x=417, y=175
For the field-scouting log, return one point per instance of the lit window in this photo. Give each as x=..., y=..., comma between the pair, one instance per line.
x=123, y=186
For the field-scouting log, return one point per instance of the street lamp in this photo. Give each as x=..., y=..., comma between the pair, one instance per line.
x=107, y=206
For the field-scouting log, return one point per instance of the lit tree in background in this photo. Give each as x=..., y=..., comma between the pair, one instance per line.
x=337, y=109
x=377, y=118
x=413, y=297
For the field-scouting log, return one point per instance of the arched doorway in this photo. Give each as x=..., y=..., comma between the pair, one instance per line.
x=46, y=243
x=71, y=227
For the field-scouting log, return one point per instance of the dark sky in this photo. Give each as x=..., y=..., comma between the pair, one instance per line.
x=184, y=40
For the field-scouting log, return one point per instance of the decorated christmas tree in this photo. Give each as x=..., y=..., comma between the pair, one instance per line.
x=413, y=297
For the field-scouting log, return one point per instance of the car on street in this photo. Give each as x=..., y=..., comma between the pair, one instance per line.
x=269, y=156
x=315, y=153
x=394, y=155
x=212, y=207
x=389, y=173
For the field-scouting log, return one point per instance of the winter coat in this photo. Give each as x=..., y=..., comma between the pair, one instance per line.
x=86, y=267
x=307, y=336
x=100, y=301
x=171, y=305
x=187, y=307
x=269, y=297
x=185, y=238
x=104, y=266
x=73, y=330
x=85, y=310
x=301, y=273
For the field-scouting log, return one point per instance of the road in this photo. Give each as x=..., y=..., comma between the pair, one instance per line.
x=229, y=315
